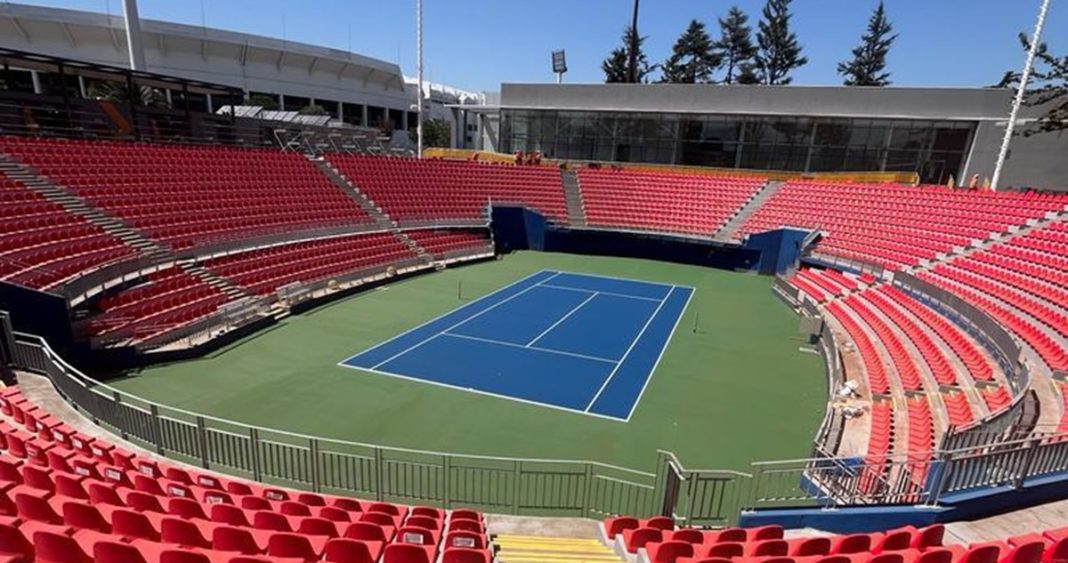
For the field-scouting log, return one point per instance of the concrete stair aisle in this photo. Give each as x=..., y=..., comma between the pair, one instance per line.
x=380, y=216
x=537, y=549
x=77, y=206
x=726, y=232
x=343, y=183
x=1032, y=225
x=222, y=284
x=576, y=210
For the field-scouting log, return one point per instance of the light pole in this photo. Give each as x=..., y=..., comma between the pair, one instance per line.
x=419, y=76
x=1029, y=65
x=633, y=64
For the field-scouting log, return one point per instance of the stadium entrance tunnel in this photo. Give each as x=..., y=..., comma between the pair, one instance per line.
x=769, y=253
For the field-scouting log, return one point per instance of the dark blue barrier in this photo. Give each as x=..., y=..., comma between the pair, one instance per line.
x=517, y=228
x=779, y=250
x=37, y=312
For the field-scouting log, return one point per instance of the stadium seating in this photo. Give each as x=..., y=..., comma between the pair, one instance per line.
x=68, y=497
x=42, y=245
x=191, y=196
x=428, y=190
x=900, y=545
x=167, y=299
x=441, y=244
x=896, y=226
x=692, y=204
x=263, y=271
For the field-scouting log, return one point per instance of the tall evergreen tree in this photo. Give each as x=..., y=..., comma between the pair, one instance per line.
x=692, y=58
x=616, y=66
x=1047, y=89
x=778, y=51
x=735, y=47
x=869, y=58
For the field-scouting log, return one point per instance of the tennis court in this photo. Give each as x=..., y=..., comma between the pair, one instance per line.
x=578, y=342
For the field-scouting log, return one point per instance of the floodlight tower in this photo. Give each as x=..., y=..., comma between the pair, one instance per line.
x=1029, y=65
x=419, y=76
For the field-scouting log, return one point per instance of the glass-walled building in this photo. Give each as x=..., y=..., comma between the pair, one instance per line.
x=935, y=132
x=934, y=148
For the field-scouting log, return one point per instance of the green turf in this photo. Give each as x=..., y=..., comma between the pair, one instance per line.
x=736, y=391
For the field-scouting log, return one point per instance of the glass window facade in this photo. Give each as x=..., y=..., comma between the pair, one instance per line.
x=934, y=149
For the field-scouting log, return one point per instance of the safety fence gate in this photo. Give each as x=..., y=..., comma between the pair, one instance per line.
x=701, y=497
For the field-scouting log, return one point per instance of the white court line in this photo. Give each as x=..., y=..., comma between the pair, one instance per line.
x=562, y=319
x=662, y=350
x=624, y=295
x=626, y=280
x=485, y=393
x=461, y=323
x=442, y=316
x=629, y=348
x=514, y=345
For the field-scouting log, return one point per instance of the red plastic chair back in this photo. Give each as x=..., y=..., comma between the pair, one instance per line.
x=464, y=555
x=380, y=518
x=982, y=554
x=38, y=478
x=853, y=543
x=12, y=542
x=660, y=523
x=185, y=508
x=30, y=507
x=291, y=545
x=726, y=550
x=334, y=514
x=70, y=487
x=427, y=511
x=311, y=499
x=894, y=540
x=425, y=522
x=182, y=532
x=343, y=550
x=465, y=526
x=1056, y=553
x=365, y=531
x=931, y=536
x=57, y=548
x=349, y=504
x=464, y=514
x=182, y=556
x=404, y=553
x=115, y=552
x=689, y=535
x=293, y=508
x=384, y=508
x=313, y=526
x=130, y=524
x=770, y=548
x=255, y=503
x=731, y=535
x=226, y=538
x=468, y=540
x=812, y=546
x=888, y=557
x=671, y=550
x=84, y=516
x=769, y=532
x=616, y=526
x=229, y=514
x=264, y=520
x=936, y=555
x=144, y=502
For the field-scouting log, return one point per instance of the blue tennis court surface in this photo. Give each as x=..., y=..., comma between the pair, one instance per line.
x=572, y=341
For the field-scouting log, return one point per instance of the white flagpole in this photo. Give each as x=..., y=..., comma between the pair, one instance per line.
x=1024, y=77
x=419, y=77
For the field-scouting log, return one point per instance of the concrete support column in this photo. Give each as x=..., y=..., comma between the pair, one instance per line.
x=133, y=35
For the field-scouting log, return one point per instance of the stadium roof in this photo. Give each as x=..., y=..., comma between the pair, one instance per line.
x=30, y=22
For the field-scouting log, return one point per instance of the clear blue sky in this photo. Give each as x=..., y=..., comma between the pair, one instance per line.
x=477, y=44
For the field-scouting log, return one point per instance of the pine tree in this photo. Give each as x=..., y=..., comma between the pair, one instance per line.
x=778, y=51
x=869, y=58
x=735, y=47
x=692, y=58
x=616, y=66
x=1047, y=88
